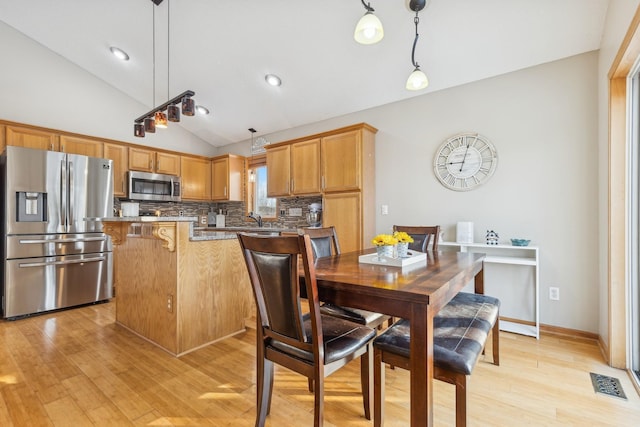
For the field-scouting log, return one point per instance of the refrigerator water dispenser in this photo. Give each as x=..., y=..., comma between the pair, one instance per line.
x=31, y=206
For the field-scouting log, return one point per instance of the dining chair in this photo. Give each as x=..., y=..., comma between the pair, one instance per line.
x=421, y=236
x=311, y=344
x=324, y=242
x=460, y=331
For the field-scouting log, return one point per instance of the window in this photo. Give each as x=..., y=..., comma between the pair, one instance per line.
x=257, y=200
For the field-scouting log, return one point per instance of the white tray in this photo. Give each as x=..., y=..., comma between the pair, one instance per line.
x=414, y=257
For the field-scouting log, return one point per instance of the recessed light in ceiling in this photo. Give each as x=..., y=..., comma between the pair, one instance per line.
x=273, y=80
x=119, y=53
x=202, y=110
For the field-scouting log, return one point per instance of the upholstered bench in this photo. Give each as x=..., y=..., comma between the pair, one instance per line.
x=460, y=332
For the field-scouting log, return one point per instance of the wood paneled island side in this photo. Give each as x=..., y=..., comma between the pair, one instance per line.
x=177, y=292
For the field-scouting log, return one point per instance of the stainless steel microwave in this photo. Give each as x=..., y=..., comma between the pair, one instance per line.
x=154, y=187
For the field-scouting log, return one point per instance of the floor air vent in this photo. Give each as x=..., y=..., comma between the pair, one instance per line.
x=607, y=385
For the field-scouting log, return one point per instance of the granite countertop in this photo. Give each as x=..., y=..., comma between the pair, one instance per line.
x=147, y=218
x=221, y=233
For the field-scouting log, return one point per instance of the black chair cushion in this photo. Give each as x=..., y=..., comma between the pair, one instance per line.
x=341, y=338
x=362, y=317
x=460, y=331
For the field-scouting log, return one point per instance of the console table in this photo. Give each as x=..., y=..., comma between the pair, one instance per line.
x=526, y=256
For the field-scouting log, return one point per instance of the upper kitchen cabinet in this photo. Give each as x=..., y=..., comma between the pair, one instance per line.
x=278, y=170
x=227, y=182
x=196, y=178
x=293, y=169
x=305, y=167
x=119, y=154
x=346, y=158
x=22, y=136
x=84, y=146
x=144, y=160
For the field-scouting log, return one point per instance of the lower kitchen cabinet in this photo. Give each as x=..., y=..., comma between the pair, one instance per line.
x=179, y=294
x=345, y=211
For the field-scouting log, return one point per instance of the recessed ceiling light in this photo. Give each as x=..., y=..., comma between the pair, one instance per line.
x=119, y=53
x=202, y=110
x=273, y=80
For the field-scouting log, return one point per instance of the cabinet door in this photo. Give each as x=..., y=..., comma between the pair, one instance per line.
x=196, y=178
x=141, y=159
x=220, y=178
x=119, y=155
x=31, y=138
x=344, y=212
x=167, y=163
x=305, y=167
x=85, y=147
x=278, y=171
x=341, y=161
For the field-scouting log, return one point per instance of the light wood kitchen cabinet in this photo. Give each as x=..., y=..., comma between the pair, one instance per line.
x=342, y=161
x=227, y=181
x=195, y=178
x=344, y=212
x=119, y=154
x=20, y=136
x=83, y=146
x=144, y=160
x=278, y=170
x=305, y=167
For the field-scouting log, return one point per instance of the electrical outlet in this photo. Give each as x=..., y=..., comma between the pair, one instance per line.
x=180, y=213
x=170, y=303
x=554, y=293
x=295, y=211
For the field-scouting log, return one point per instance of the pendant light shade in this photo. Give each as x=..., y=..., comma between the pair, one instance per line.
x=161, y=120
x=149, y=125
x=369, y=29
x=173, y=113
x=188, y=106
x=138, y=130
x=417, y=80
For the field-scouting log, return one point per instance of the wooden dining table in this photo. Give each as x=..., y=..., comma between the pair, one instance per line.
x=415, y=292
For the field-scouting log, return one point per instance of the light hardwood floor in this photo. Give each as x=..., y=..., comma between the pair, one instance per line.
x=78, y=368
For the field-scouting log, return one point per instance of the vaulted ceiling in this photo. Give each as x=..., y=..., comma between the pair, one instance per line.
x=222, y=49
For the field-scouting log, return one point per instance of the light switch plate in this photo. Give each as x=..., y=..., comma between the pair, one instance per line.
x=295, y=211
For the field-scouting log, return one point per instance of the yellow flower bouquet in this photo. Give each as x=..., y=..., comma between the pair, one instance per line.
x=384, y=240
x=402, y=237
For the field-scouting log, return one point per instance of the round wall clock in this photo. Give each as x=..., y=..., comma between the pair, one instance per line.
x=465, y=161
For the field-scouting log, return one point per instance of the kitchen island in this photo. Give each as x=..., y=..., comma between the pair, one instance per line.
x=178, y=288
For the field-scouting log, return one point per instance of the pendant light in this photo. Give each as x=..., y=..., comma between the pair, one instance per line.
x=148, y=122
x=369, y=28
x=417, y=79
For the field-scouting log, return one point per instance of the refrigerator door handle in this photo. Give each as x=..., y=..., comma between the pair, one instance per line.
x=72, y=196
x=74, y=261
x=88, y=239
x=63, y=195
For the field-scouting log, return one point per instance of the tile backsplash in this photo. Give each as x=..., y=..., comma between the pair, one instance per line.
x=235, y=211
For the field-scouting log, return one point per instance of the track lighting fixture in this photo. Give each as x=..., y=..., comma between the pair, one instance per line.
x=148, y=122
x=369, y=28
x=417, y=79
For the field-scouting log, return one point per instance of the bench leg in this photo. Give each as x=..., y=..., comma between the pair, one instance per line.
x=495, y=338
x=378, y=389
x=461, y=399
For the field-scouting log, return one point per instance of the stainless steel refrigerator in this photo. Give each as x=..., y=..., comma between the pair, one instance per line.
x=54, y=254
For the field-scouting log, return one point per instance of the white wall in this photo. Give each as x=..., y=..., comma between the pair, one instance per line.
x=41, y=88
x=543, y=122
x=619, y=15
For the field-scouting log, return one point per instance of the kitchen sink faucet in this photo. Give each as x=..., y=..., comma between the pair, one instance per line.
x=256, y=218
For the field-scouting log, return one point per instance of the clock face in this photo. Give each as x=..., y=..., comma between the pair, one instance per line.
x=465, y=161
